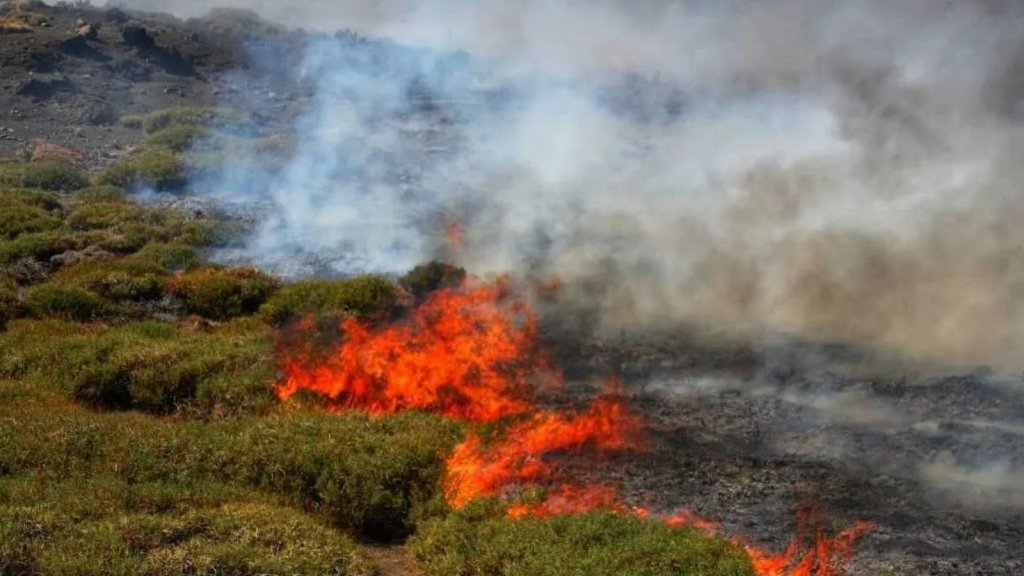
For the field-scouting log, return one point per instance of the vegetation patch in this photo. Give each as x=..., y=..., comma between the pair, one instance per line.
x=367, y=475
x=362, y=297
x=160, y=169
x=220, y=293
x=426, y=278
x=176, y=138
x=107, y=526
x=43, y=175
x=18, y=217
x=482, y=541
x=162, y=119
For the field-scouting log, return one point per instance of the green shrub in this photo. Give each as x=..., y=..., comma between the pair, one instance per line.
x=177, y=138
x=173, y=257
x=43, y=175
x=100, y=215
x=149, y=366
x=127, y=279
x=102, y=193
x=426, y=278
x=160, y=169
x=106, y=526
x=48, y=201
x=18, y=218
x=39, y=245
x=362, y=297
x=10, y=304
x=67, y=302
x=129, y=227
x=174, y=117
x=365, y=474
x=482, y=542
x=223, y=293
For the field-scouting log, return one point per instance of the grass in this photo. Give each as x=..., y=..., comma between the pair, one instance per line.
x=367, y=475
x=482, y=542
x=176, y=138
x=151, y=366
x=104, y=525
x=42, y=175
x=159, y=169
x=176, y=117
x=362, y=297
x=223, y=293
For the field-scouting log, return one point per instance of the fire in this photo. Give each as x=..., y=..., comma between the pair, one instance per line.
x=466, y=353
x=471, y=353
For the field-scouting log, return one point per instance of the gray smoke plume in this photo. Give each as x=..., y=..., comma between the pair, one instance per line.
x=842, y=170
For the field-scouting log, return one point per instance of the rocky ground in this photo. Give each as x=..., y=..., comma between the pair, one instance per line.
x=746, y=435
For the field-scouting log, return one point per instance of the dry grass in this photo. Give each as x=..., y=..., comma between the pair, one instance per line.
x=10, y=25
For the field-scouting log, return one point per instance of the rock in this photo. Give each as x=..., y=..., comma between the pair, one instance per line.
x=89, y=254
x=137, y=36
x=88, y=31
x=43, y=151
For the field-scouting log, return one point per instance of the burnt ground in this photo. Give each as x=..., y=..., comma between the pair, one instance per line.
x=746, y=435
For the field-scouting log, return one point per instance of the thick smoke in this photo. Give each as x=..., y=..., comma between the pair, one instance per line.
x=842, y=170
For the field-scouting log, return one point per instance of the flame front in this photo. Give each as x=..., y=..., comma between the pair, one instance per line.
x=471, y=353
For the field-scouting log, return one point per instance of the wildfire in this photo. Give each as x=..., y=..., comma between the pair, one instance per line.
x=471, y=353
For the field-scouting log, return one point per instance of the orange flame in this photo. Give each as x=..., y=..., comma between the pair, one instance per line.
x=466, y=353
x=471, y=353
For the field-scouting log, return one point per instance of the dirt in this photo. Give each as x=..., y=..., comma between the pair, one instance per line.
x=391, y=560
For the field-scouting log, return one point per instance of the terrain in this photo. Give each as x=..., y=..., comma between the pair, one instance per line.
x=140, y=357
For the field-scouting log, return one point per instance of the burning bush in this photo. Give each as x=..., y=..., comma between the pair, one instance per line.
x=482, y=541
x=223, y=293
x=361, y=297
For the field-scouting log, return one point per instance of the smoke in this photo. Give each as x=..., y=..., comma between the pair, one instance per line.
x=845, y=171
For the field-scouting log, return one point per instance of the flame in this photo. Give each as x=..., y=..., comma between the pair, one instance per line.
x=476, y=469
x=466, y=353
x=471, y=353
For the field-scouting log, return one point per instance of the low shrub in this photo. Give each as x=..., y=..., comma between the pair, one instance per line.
x=40, y=245
x=426, y=278
x=173, y=257
x=151, y=366
x=223, y=293
x=10, y=304
x=17, y=217
x=43, y=175
x=176, y=138
x=362, y=297
x=67, y=302
x=128, y=279
x=104, y=525
x=365, y=474
x=101, y=193
x=159, y=169
x=175, y=117
x=481, y=541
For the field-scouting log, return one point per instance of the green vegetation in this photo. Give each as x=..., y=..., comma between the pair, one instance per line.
x=223, y=293
x=105, y=525
x=162, y=119
x=426, y=278
x=18, y=217
x=176, y=138
x=159, y=168
x=480, y=541
x=363, y=297
x=43, y=175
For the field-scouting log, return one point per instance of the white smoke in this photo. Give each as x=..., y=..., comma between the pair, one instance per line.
x=842, y=170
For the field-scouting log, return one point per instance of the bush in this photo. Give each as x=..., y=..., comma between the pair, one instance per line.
x=17, y=217
x=223, y=293
x=43, y=175
x=67, y=302
x=151, y=366
x=102, y=193
x=174, y=257
x=128, y=279
x=10, y=304
x=160, y=169
x=39, y=245
x=176, y=138
x=482, y=542
x=369, y=475
x=426, y=278
x=176, y=117
x=362, y=297
x=106, y=526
